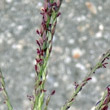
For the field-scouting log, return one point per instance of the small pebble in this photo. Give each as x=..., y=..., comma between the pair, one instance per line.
x=56, y=84
x=9, y=1
x=77, y=53
x=57, y=49
x=100, y=8
x=88, y=65
x=39, y=4
x=1, y=41
x=65, y=77
x=71, y=41
x=20, y=27
x=99, y=34
x=71, y=15
x=79, y=65
x=82, y=39
x=17, y=46
x=10, y=41
x=91, y=7
x=94, y=80
x=98, y=88
x=83, y=28
x=32, y=75
x=93, y=108
x=26, y=104
x=67, y=60
x=8, y=34
x=81, y=18
x=101, y=27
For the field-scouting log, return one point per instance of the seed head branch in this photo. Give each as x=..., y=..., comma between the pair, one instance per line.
x=78, y=87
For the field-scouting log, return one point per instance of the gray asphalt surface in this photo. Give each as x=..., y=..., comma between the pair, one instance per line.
x=82, y=35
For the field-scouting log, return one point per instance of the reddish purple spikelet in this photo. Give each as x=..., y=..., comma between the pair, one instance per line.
x=43, y=90
x=36, y=68
x=88, y=79
x=41, y=30
x=53, y=4
x=58, y=14
x=45, y=17
x=105, y=108
x=53, y=92
x=37, y=31
x=108, y=90
x=38, y=51
x=50, y=49
x=44, y=36
x=76, y=85
x=30, y=97
x=38, y=43
x=41, y=41
x=104, y=65
x=71, y=99
x=40, y=61
x=40, y=83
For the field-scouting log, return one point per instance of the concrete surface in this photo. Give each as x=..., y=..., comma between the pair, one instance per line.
x=82, y=35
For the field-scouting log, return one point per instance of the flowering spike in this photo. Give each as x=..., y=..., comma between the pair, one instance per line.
x=46, y=32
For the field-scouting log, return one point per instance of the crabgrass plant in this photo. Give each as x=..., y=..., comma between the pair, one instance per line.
x=50, y=13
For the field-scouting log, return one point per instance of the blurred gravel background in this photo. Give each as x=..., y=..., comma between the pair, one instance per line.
x=82, y=35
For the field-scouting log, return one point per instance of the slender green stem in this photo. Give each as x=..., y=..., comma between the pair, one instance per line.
x=7, y=101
